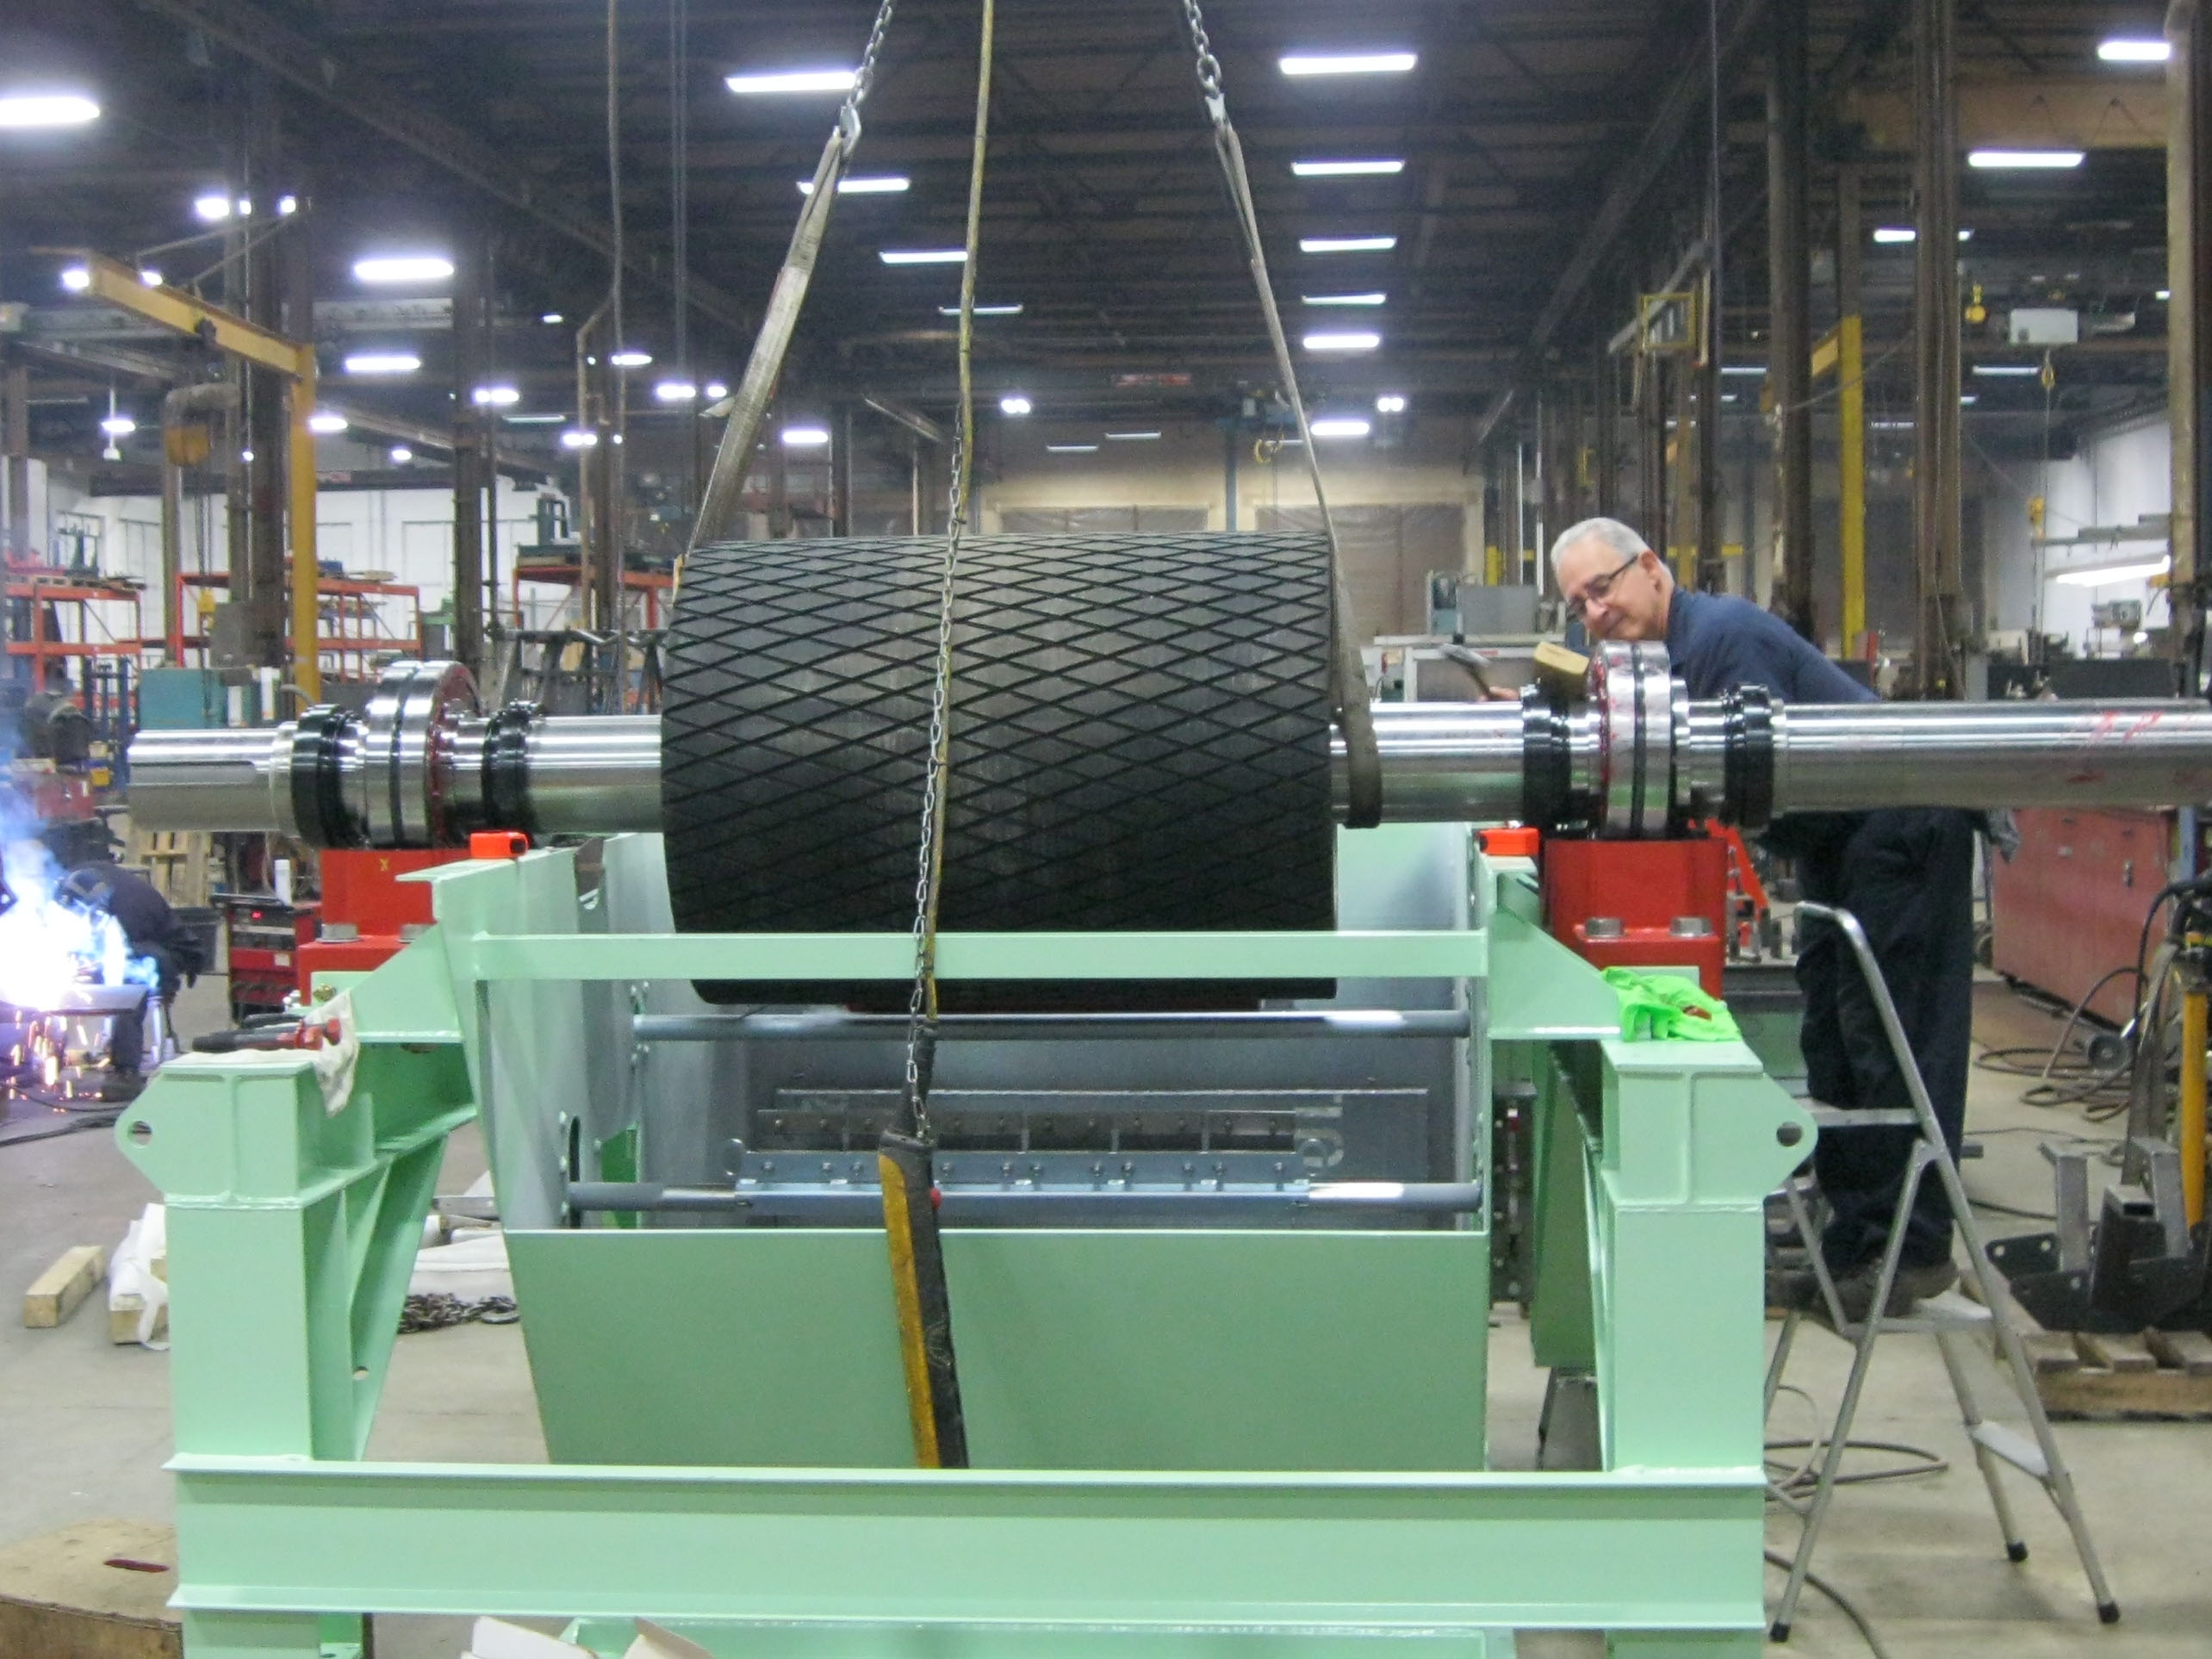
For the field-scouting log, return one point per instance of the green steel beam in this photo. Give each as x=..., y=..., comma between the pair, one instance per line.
x=566, y=956
x=1446, y=1554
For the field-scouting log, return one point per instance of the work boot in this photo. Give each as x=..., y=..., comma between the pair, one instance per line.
x=1855, y=1289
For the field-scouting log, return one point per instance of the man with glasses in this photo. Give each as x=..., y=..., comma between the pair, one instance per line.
x=1907, y=873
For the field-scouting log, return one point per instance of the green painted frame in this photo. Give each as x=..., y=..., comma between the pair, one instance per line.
x=291, y=1229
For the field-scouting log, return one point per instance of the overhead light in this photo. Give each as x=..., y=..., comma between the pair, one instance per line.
x=22, y=110
x=1892, y=233
x=863, y=184
x=246, y=457
x=2123, y=50
x=325, y=422
x=982, y=311
x=716, y=391
x=631, y=358
x=1967, y=400
x=805, y=438
x=1995, y=371
x=1344, y=299
x=1013, y=404
x=495, y=397
x=2163, y=294
x=1890, y=425
x=1390, y=403
x=1340, y=426
x=1349, y=63
x=1131, y=437
x=1756, y=369
x=2140, y=571
x=118, y=425
x=533, y=420
x=150, y=276
x=1343, y=340
x=791, y=80
x=382, y=362
x=1346, y=243
x=2022, y=159
x=554, y=317
x=1071, y=448
x=1382, y=166
x=287, y=205
x=924, y=256
x=243, y=207
x=579, y=438
x=213, y=207
x=75, y=278
x=675, y=391
x=402, y=267
x=401, y=454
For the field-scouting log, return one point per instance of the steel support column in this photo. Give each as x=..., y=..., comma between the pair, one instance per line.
x=16, y=418
x=2189, y=333
x=471, y=422
x=1939, y=620
x=1850, y=407
x=1788, y=286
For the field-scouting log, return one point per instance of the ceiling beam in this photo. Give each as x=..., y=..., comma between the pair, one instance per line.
x=261, y=38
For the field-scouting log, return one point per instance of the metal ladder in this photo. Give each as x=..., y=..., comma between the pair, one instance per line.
x=1950, y=1318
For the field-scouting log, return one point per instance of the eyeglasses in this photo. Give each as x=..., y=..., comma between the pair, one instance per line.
x=1600, y=589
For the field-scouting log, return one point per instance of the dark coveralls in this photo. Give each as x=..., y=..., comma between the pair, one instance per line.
x=1907, y=873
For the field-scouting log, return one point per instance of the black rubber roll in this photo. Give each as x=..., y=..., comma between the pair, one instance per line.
x=1140, y=741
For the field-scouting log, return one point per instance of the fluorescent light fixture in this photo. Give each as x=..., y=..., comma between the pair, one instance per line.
x=1342, y=426
x=1131, y=437
x=1346, y=243
x=75, y=278
x=805, y=438
x=631, y=358
x=150, y=276
x=553, y=317
x=2123, y=50
x=401, y=454
x=246, y=457
x=382, y=362
x=863, y=184
x=1756, y=370
x=1071, y=448
x=213, y=207
x=325, y=422
x=1381, y=167
x=579, y=438
x=495, y=397
x=287, y=205
x=22, y=110
x=1390, y=403
x=1013, y=404
x=791, y=80
x=244, y=207
x=1344, y=299
x=2162, y=294
x=2141, y=570
x=1967, y=400
x=402, y=267
x=716, y=391
x=1349, y=63
x=675, y=391
x=924, y=256
x=1887, y=235
x=534, y=420
x=118, y=425
x=1343, y=340
x=982, y=311
x=2021, y=160
x=2003, y=370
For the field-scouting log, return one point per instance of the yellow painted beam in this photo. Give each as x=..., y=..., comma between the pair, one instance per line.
x=300, y=481
x=119, y=285
x=1826, y=350
x=1851, y=469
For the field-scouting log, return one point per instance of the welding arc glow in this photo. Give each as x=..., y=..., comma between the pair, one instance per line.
x=48, y=945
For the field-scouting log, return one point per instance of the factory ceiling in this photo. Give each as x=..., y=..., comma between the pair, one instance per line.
x=1548, y=156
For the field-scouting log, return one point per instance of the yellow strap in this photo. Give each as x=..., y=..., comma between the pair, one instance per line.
x=906, y=1293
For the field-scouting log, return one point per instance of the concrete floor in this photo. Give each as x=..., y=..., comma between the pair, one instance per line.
x=84, y=1428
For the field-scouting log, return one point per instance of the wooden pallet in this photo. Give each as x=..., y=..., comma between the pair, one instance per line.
x=177, y=861
x=2158, y=1374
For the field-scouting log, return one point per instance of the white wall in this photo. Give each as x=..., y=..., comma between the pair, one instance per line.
x=2119, y=477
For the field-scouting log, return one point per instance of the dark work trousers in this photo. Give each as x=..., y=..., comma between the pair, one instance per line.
x=1907, y=873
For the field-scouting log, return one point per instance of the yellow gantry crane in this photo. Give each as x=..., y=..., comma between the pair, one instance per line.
x=119, y=285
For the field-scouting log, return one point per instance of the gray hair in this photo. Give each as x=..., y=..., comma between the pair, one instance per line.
x=1613, y=533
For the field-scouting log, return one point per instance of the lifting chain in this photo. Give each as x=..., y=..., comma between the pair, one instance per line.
x=1347, y=676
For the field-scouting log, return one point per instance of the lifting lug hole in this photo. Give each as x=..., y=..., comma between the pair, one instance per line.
x=1789, y=1134
x=141, y=1132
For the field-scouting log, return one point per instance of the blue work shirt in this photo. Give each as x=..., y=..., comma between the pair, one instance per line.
x=1717, y=642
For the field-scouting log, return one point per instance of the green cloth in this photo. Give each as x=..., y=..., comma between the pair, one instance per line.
x=1654, y=1007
